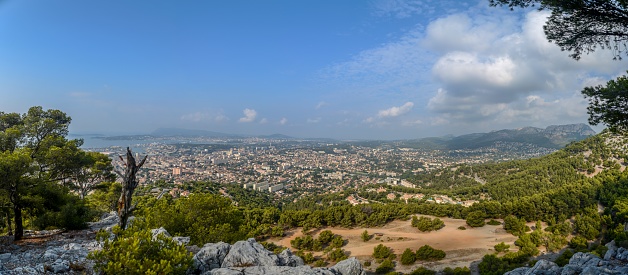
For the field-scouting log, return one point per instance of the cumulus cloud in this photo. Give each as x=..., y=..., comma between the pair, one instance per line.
x=495, y=77
x=396, y=111
x=283, y=121
x=249, y=115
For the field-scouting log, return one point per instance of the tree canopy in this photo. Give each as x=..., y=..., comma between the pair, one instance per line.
x=36, y=160
x=609, y=104
x=582, y=26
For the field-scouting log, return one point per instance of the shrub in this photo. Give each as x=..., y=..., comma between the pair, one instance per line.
x=365, y=236
x=428, y=253
x=563, y=259
x=426, y=224
x=385, y=267
x=462, y=227
x=493, y=222
x=135, y=252
x=476, y=219
x=337, y=255
x=423, y=271
x=501, y=247
x=383, y=252
x=457, y=271
x=408, y=257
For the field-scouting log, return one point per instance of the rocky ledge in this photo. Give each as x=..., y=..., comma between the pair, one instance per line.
x=614, y=262
x=65, y=253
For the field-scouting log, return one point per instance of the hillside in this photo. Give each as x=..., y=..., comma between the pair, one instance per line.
x=555, y=137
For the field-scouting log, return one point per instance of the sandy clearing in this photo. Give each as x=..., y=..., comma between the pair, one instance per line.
x=462, y=246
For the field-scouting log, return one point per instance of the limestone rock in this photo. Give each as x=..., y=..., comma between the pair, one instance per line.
x=159, y=231
x=60, y=266
x=612, y=250
x=209, y=257
x=5, y=257
x=544, y=267
x=249, y=253
x=351, y=266
x=181, y=240
x=286, y=258
x=272, y=270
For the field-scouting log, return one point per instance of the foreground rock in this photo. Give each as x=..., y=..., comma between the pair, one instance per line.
x=66, y=253
x=251, y=258
x=614, y=262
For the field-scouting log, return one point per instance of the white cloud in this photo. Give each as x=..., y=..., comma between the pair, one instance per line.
x=314, y=120
x=263, y=121
x=396, y=111
x=283, y=121
x=249, y=115
x=502, y=78
x=321, y=105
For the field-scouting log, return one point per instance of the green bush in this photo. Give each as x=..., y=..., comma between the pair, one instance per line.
x=563, y=259
x=428, y=253
x=425, y=224
x=476, y=219
x=457, y=271
x=408, y=257
x=501, y=247
x=385, y=267
x=493, y=222
x=423, y=271
x=337, y=255
x=383, y=252
x=206, y=218
x=135, y=252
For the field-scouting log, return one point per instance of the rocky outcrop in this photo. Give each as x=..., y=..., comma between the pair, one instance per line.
x=614, y=262
x=68, y=255
x=251, y=258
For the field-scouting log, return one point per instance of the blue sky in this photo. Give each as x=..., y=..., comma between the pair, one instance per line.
x=381, y=69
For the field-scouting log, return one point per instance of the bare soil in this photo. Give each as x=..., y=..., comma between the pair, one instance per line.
x=462, y=246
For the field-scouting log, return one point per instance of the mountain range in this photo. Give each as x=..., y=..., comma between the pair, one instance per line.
x=555, y=136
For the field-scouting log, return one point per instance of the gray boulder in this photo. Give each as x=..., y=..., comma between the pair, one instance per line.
x=584, y=259
x=159, y=231
x=249, y=253
x=210, y=257
x=272, y=270
x=571, y=270
x=286, y=258
x=5, y=257
x=612, y=250
x=181, y=240
x=621, y=254
x=351, y=266
x=60, y=266
x=544, y=267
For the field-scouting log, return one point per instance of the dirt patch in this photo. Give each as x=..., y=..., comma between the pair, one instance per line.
x=462, y=246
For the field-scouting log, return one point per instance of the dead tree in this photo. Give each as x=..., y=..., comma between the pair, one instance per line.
x=129, y=183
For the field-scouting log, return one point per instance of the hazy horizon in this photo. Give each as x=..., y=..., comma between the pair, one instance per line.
x=380, y=69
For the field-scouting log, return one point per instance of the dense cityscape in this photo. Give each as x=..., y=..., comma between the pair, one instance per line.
x=279, y=166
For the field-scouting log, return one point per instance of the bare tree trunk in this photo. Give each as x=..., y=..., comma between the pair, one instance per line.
x=129, y=183
x=19, y=228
